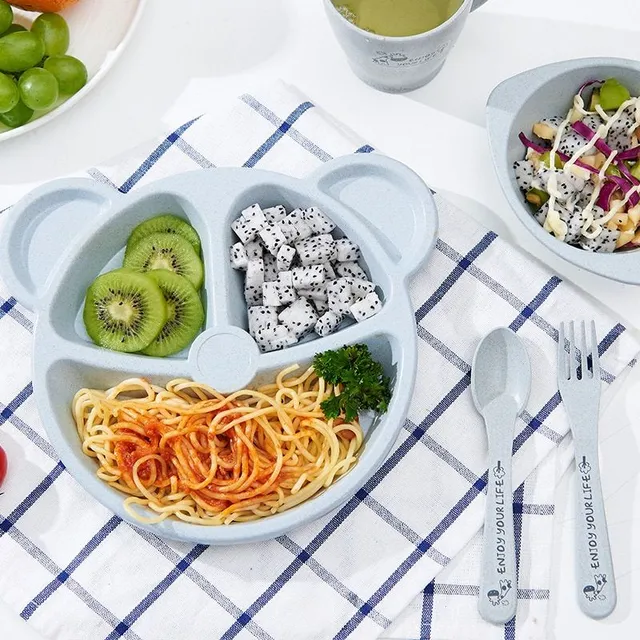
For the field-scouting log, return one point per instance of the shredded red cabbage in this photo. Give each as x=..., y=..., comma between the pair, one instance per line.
x=629, y=154
x=604, y=197
x=588, y=84
x=588, y=133
x=625, y=186
x=563, y=156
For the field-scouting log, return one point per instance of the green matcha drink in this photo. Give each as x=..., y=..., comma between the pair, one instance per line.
x=397, y=17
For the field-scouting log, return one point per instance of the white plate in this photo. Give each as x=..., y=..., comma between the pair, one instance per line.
x=100, y=30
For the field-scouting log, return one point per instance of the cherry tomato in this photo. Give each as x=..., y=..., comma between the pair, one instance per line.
x=3, y=465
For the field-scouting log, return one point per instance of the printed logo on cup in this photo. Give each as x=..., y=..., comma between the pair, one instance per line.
x=400, y=59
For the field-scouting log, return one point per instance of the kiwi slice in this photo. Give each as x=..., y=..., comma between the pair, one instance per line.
x=124, y=310
x=184, y=318
x=166, y=251
x=164, y=224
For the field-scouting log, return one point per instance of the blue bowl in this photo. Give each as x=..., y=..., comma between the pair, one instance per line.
x=519, y=102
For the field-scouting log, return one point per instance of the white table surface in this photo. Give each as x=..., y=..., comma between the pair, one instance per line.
x=187, y=54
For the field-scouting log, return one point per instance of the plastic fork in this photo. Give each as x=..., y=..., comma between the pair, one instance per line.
x=579, y=385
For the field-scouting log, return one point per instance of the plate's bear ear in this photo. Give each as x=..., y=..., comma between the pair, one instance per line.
x=389, y=199
x=41, y=228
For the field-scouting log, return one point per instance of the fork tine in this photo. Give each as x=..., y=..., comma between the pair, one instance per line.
x=562, y=355
x=572, y=351
x=582, y=338
x=595, y=357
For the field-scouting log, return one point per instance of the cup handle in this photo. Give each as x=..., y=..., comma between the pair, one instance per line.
x=41, y=228
x=477, y=4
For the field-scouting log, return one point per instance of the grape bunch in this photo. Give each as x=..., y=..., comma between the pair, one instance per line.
x=35, y=71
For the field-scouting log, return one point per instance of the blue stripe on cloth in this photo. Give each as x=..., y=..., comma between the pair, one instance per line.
x=194, y=154
x=16, y=403
x=155, y=155
x=292, y=132
x=39, y=556
x=507, y=296
x=64, y=575
x=329, y=579
x=200, y=581
x=518, y=498
x=402, y=528
x=472, y=590
x=427, y=611
x=31, y=499
x=28, y=432
x=365, y=148
x=535, y=304
x=9, y=307
x=454, y=276
x=269, y=143
x=158, y=590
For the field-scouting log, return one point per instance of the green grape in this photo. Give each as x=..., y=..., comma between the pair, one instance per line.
x=70, y=73
x=38, y=88
x=19, y=115
x=20, y=51
x=6, y=16
x=54, y=31
x=14, y=28
x=9, y=93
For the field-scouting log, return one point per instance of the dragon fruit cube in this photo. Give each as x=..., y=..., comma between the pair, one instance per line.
x=318, y=221
x=361, y=288
x=347, y=251
x=351, y=270
x=270, y=271
x=366, y=308
x=239, y=258
x=272, y=338
x=327, y=323
x=339, y=296
x=253, y=295
x=260, y=317
x=300, y=319
x=316, y=250
x=255, y=215
x=275, y=214
x=255, y=273
x=272, y=238
x=246, y=230
x=285, y=278
x=253, y=249
x=285, y=257
x=305, y=277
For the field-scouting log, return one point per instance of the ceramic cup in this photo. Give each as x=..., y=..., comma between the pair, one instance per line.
x=398, y=64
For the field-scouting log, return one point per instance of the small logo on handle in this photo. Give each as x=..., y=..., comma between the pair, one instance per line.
x=499, y=596
x=593, y=592
x=498, y=471
x=584, y=467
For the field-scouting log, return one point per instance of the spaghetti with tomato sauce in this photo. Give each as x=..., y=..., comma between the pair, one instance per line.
x=187, y=451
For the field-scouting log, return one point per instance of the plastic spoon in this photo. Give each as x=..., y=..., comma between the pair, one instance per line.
x=500, y=384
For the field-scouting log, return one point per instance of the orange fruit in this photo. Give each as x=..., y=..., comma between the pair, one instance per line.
x=44, y=6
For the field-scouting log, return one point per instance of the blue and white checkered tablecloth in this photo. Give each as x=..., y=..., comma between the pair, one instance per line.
x=398, y=560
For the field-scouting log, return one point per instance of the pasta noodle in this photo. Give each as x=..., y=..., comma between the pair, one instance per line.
x=189, y=452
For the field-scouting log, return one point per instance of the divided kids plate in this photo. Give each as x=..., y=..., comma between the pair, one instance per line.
x=64, y=234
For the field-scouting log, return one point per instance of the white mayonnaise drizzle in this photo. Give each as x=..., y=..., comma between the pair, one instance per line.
x=553, y=222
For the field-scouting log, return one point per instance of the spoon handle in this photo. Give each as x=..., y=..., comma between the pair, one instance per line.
x=594, y=566
x=498, y=581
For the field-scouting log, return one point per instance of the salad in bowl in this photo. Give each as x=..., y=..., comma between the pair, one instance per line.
x=580, y=173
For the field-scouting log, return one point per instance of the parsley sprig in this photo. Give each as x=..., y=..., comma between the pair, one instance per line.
x=364, y=385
